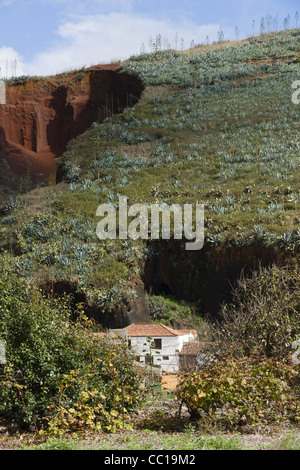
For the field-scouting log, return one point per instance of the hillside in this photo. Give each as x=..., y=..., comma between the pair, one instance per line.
x=42, y=114
x=212, y=125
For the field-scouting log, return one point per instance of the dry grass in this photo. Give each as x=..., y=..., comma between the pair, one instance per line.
x=37, y=200
x=157, y=92
x=206, y=48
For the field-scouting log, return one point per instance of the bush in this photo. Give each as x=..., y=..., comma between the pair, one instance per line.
x=54, y=365
x=242, y=392
x=168, y=309
x=248, y=379
x=264, y=316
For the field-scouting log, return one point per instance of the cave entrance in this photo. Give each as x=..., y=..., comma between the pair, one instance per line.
x=163, y=289
x=207, y=276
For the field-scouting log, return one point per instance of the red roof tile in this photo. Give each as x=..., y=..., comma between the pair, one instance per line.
x=194, y=348
x=154, y=329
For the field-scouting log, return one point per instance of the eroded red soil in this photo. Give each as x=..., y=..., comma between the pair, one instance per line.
x=42, y=115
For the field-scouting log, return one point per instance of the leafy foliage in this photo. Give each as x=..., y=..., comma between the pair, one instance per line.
x=242, y=392
x=264, y=316
x=54, y=365
x=247, y=379
x=105, y=395
x=196, y=70
x=210, y=127
x=168, y=309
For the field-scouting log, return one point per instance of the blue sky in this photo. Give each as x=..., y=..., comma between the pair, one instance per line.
x=52, y=36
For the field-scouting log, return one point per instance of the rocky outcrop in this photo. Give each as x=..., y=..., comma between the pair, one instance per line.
x=206, y=276
x=42, y=115
x=122, y=314
x=118, y=315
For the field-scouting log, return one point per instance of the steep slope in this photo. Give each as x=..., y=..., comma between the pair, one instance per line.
x=42, y=115
x=216, y=127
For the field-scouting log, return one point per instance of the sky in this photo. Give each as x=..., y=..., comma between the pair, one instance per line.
x=46, y=37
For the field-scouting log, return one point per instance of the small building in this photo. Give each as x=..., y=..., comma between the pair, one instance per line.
x=156, y=344
x=192, y=356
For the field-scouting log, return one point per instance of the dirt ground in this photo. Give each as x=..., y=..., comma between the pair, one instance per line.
x=169, y=382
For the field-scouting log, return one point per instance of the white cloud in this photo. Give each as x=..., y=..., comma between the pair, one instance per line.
x=104, y=38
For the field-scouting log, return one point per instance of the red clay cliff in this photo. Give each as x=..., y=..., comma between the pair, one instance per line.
x=41, y=115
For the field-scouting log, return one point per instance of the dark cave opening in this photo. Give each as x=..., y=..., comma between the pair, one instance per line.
x=163, y=289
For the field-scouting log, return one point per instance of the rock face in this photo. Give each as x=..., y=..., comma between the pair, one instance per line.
x=206, y=276
x=41, y=116
x=122, y=315
x=119, y=316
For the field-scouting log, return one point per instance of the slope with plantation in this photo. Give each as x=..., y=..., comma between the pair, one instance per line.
x=213, y=125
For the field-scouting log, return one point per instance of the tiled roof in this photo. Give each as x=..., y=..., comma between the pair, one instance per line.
x=154, y=329
x=194, y=348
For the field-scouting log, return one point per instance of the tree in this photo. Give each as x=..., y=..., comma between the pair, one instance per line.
x=264, y=316
x=54, y=363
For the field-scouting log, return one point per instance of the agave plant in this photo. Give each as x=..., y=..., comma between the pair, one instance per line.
x=287, y=239
x=259, y=232
x=214, y=240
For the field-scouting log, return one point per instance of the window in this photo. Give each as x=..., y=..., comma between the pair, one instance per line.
x=157, y=343
x=165, y=358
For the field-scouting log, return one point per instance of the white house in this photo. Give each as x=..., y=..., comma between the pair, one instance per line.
x=156, y=343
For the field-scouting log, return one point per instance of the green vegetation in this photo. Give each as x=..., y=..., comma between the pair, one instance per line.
x=187, y=440
x=58, y=376
x=219, y=65
x=166, y=309
x=134, y=442
x=216, y=127
x=248, y=379
x=54, y=444
x=241, y=393
x=263, y=317
x=217, y=137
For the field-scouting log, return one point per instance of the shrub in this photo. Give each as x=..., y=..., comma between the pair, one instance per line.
x=54, y=365
x=169, y=310
x=70, y=172
x=98, y=398
x=241, y=392
x=264, y=316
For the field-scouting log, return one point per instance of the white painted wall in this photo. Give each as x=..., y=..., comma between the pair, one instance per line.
x=166, y=357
